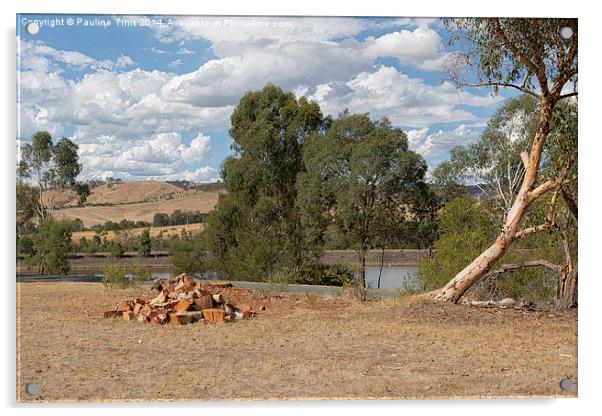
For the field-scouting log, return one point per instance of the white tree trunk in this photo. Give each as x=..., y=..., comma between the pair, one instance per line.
x=480, y=266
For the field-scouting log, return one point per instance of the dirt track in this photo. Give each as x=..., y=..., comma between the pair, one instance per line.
x=300, y=347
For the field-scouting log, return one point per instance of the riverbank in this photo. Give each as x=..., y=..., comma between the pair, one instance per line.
x=159, y=261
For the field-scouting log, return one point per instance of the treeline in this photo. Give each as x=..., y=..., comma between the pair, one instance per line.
x=161, y=219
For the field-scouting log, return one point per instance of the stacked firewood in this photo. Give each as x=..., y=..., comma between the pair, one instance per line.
x=181, y=300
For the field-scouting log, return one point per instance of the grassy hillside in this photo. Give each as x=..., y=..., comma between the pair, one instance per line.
x=144, y=211
x=135, y=201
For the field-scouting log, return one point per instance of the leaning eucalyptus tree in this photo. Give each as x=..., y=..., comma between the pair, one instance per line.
x=537, y=57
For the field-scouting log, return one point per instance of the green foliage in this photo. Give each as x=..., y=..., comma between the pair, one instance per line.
x=467, y=228
x=115, y=248
x=255, y=229
x=121, y=225
x=46, y=166
x=27, y=207
x=66, y=164
x=279, y=281
x=309, y=273
x=533, y=41
x=186, y=255
x=51, y=244
x=145, y=244
x=138, y=272
x=83, y=192
x=160, y=220
x=25, y=246
x=77, y=225
x=361, y=177
x=121, y=277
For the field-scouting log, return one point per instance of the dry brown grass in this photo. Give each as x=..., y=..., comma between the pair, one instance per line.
x=118, y=193
x=333, y=349
x=135, y=232
x=144, y=211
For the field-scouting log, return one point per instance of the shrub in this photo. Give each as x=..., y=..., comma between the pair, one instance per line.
x=186, y=255
x=322, y=274
x=121, y=277
x=145, y=244
x=51, y=243
x=467, y=227
x=115, y=249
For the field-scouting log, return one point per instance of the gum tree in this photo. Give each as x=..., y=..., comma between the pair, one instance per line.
x=537, y=57
x=360, y=177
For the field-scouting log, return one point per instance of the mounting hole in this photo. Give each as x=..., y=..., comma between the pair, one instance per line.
x=32, y=28
x=566, y=33
x=31, y=389
x=566, y=384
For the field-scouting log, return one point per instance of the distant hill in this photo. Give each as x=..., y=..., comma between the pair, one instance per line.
x=476, y=192
x=135, y=201
x=132, y=192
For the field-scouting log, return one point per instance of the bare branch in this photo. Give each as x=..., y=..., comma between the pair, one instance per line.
x=547, y=225
x=546, y=187
x=532, y=230
x=533, y=263
x=498, y=84
x=563, y=96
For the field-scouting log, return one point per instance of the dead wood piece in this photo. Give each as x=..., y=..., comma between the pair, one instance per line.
x=203, y=302
x=160, y=298
x=158, y=317
x=182, y=305
x=183, y=318
x=137, y=308
x=124, y=307
x=110, y=314
x=214, y=315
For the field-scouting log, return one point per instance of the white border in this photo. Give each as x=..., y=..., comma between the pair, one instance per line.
x=590, y=153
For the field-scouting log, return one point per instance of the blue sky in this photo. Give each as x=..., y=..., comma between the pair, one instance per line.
x=151, y=96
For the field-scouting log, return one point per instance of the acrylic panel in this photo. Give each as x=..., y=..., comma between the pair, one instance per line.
x=275, y=208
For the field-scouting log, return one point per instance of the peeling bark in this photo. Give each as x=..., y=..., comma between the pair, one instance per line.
x=453, y=291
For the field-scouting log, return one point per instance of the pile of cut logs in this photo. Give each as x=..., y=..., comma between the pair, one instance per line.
x=180, y=300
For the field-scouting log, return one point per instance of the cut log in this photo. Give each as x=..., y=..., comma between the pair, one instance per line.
x=110, y=314
x=124, y=307
x=218, y=298
x=183, y=318
x=203, y=302
x=214, y=315
x=244, y=311
x=182, y=305
x=158, y=317
x=160, y=298
x=137, y=308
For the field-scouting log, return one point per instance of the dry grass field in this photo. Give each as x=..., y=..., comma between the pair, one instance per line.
x=119, y=193
x=300, y=347
x=135, y=232
x=143, y=211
